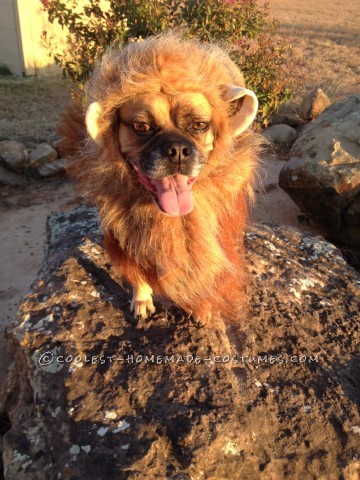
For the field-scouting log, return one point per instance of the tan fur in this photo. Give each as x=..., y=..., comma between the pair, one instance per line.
x=192, y=259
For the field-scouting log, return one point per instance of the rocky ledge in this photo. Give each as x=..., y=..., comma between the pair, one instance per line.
x=323, y=173
x=96, y=394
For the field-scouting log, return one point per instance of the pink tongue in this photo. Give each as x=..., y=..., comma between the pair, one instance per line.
x=174, y=194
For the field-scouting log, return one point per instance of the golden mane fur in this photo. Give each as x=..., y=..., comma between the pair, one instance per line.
x=192, y=260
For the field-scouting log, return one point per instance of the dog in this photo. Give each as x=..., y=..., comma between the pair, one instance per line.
x=163, y=149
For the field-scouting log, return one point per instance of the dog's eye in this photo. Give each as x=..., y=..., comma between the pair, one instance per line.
x=200, y=126
x=141, y=127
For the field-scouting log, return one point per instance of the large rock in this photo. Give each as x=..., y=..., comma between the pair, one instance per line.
x=323, y=173
x=281, y=134
x=99, y=395
x=314, y=104
x=13, y=154
x=42, y=155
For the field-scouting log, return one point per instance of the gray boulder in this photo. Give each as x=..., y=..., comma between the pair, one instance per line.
x=280, y=134
x=323, y=173
x=13, y=154
x=42, y=155
x=96, y=394
x=314, y=104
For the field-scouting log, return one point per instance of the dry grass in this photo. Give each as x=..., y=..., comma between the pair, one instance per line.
x=30, y=107
x=325, y=36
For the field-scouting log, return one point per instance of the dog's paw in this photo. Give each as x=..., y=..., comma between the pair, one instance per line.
x=203, y=317
x=142, y=308
x=207, y=317
x=141, y=303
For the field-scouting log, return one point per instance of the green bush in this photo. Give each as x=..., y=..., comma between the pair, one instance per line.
x=241, y=26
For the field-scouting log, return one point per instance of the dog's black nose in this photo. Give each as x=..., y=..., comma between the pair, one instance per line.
x=178, y=151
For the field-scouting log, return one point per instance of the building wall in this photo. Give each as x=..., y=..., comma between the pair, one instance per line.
x=21, y=48
x=10, y=44
x=33, y=21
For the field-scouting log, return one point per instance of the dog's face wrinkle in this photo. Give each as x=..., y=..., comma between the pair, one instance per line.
x=186, y=126
x=149, y=154
x=164, y=138
x=163, y=112
x=185, y=116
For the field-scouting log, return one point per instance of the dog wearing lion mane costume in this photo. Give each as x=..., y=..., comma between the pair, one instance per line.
x=163, y=149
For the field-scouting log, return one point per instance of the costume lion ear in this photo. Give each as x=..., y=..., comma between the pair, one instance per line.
x=92, y=121
x=245, y=111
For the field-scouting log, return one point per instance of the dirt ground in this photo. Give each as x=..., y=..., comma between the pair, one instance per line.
x=23, y=236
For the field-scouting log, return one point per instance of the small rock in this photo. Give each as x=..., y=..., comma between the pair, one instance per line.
x=14, y=154
x=281, y=134
x=10, y=178
x=55, y=141
x=287, y=118
x=42, y=154
x=314, y=104
x=53, y=168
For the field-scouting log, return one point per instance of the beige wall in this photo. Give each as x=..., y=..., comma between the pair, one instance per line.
x=10, y=45
x=33, y=21
x=21, y=25
x=21, y=49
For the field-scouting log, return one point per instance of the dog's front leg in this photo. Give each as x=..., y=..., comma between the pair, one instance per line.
x=141, y=303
